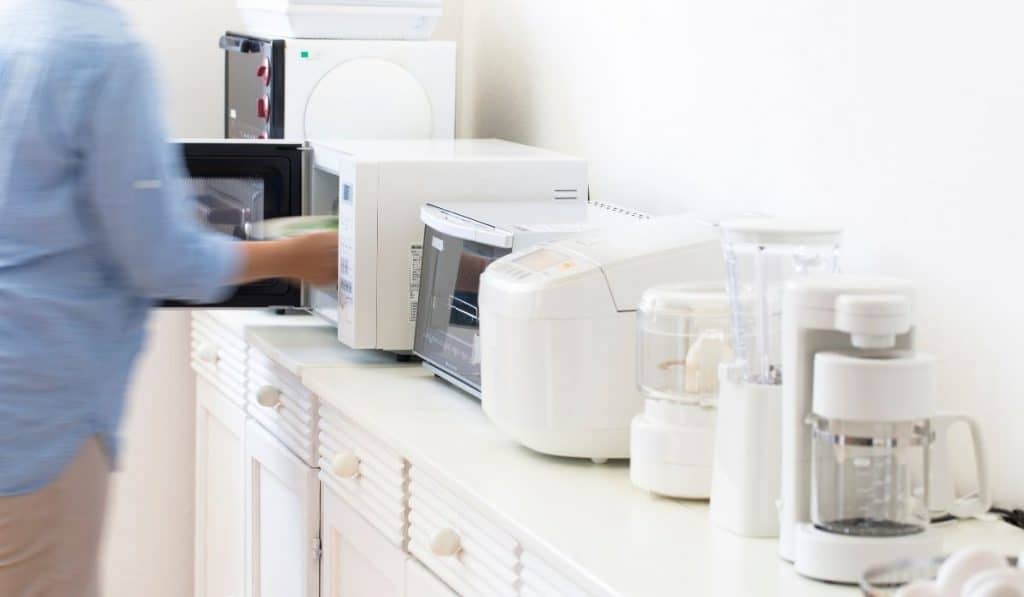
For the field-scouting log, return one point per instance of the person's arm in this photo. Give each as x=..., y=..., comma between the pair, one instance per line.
x=140, y=203
x=311, y=258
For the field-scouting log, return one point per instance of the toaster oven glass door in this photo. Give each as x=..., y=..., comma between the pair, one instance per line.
x=447, y=318
x=235, y=186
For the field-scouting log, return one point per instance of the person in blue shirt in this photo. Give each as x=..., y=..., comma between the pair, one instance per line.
x=94, y=228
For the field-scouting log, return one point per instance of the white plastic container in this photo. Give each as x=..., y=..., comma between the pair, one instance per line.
x=682, y=337
x=342, y=19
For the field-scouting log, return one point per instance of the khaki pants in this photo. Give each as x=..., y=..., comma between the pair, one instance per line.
x=50, y=539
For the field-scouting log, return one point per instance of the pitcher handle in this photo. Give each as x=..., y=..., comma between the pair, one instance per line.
x=970, y=505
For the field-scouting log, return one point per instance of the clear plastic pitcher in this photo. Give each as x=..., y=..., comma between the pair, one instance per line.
x=761, y=256
x=682, y=336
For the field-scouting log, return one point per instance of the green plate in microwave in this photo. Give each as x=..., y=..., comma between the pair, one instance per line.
x=279, y=228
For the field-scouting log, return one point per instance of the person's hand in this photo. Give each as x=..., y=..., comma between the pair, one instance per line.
x=311, y=258
x=314, y=258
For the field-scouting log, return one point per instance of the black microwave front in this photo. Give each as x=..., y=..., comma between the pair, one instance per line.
x=236, y=185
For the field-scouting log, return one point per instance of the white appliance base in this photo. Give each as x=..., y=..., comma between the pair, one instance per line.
x=670, y=479
x=672, y=456
x=843, y=559
x=747, y=473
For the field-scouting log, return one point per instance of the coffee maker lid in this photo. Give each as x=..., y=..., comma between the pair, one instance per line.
x=820, y=291
x=883, y=386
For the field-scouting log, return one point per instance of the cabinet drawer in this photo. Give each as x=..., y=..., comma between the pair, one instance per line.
x=461, y=546
x=219, y=356
x=541, y=580
x=278, y=400
x=363, y=471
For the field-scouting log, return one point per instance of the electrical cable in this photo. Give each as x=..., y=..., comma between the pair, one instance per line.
x=1010, y=517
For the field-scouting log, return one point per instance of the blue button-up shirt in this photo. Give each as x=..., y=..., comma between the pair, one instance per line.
x=94, y=226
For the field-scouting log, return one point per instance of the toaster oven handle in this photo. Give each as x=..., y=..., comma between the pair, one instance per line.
x=240, y=45
x=465, y=230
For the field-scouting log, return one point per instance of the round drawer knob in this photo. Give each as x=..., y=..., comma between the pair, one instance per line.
x=345, y=465
x=445, y=543
x=269, y=396
x=208, y=354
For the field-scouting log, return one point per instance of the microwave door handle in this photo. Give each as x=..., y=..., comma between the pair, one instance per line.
x=239, y=44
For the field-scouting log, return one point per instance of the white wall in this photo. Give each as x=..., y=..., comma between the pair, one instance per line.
x=149, y=536
x=904, y=120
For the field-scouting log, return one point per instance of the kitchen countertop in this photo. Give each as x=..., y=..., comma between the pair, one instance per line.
x=300, y=348
x=297, y=341
x=608, y=536
x=616, y=538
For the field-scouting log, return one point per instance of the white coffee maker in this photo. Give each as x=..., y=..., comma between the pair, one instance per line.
x=860, y=427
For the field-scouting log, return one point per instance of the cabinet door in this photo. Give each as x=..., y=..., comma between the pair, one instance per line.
x=220, y=494
x=282, y=519
x=420, y=582
x=357, y=561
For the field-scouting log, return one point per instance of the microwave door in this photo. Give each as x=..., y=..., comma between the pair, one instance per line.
x=236, y=185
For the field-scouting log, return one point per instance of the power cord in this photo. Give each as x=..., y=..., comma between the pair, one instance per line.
x=1010, y=517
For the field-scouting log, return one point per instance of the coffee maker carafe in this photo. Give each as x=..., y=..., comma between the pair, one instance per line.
x=860, y=427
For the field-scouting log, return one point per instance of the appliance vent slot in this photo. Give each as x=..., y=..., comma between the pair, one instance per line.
x=567, y=194
x=620, y=210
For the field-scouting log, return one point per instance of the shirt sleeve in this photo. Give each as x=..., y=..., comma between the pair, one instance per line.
x=137, y=191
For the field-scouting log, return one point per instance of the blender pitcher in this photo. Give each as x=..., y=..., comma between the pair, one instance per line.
x=762, y=256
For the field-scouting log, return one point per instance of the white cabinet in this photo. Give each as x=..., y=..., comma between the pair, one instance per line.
x=463, y=546
x=357, y=560
x=295, y=497
x=220, y=493
x=365, y=472
x=540, y=579
x=420, y=582
x=277, y=399
x=282, y=511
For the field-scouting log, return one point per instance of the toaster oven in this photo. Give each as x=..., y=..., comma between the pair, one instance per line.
x=460, y=241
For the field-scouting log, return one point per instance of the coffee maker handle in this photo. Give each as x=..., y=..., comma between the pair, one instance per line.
x=972, y=504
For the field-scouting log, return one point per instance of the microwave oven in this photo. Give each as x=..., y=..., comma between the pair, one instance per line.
x=236, y=185
x=376, y=188
x=460, y=241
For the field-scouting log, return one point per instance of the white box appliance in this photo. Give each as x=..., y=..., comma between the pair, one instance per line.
x=343, y=19
x=377, y=189
x=558, y=331
x=460, y=240
x=337, y=89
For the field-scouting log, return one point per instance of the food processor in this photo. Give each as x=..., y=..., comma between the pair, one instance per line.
x=761, y=255
x=682, y=338
x=860, y=424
